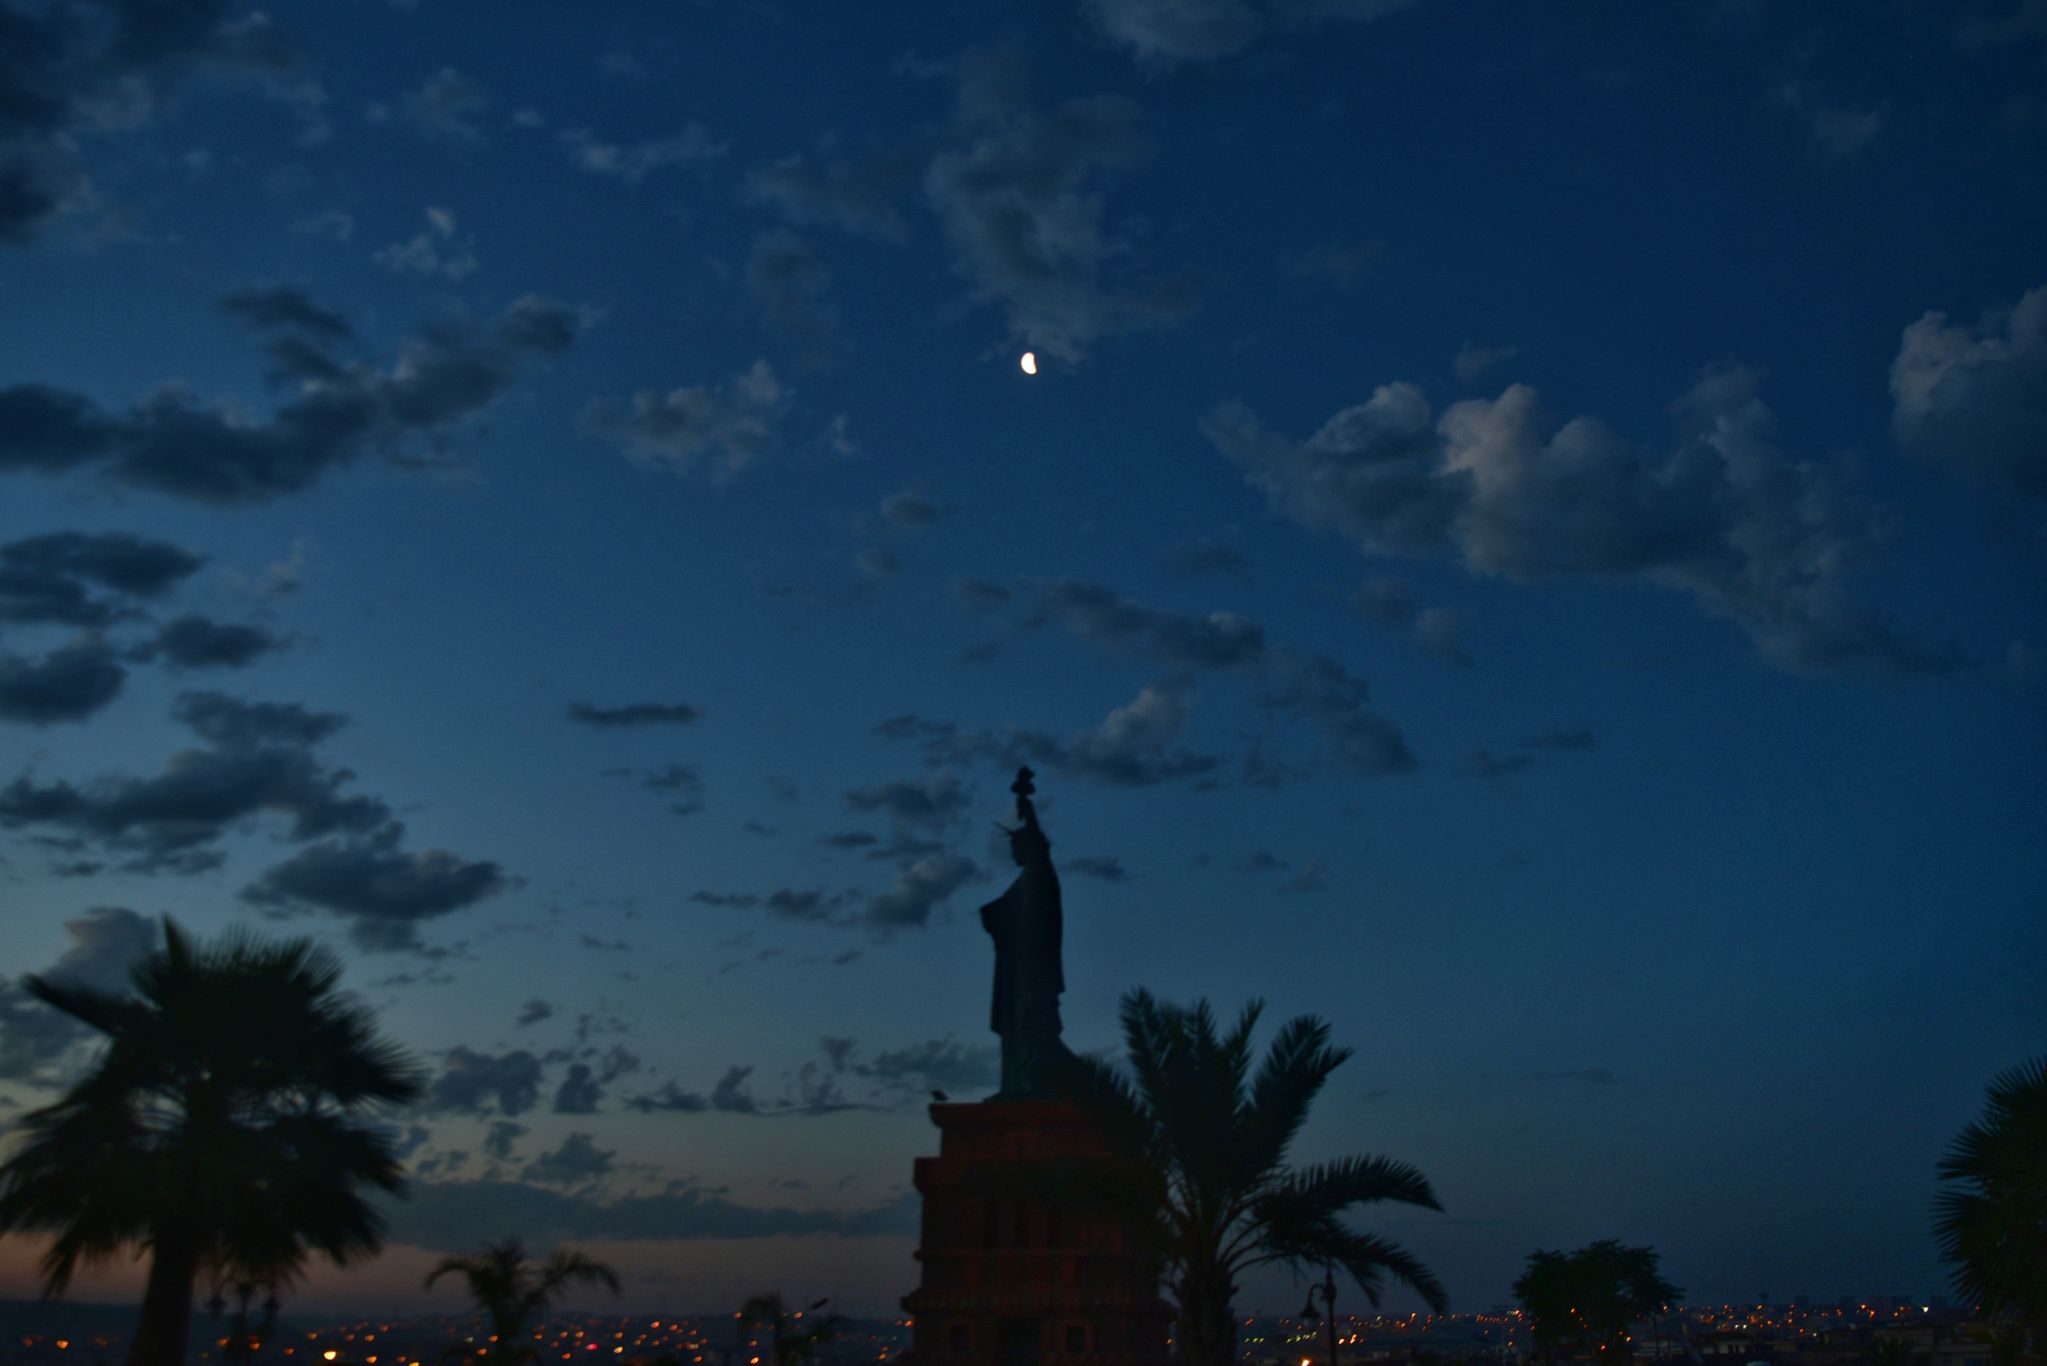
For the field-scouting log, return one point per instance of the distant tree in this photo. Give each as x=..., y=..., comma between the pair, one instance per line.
x=513, y=1292
x=793, y=1336
x=217, y=1127
x=1585, y=1301
x=1992, y=1224
x=1205, y=1177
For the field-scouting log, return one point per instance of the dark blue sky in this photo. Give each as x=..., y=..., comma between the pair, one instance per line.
x=1526, y=542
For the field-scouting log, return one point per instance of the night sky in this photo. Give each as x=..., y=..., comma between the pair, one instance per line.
x=1526, y=541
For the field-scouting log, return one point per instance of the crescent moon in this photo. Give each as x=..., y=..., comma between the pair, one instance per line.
x=1029, y=362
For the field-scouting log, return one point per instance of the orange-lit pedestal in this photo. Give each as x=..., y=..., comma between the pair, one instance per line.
x=1016, y=1270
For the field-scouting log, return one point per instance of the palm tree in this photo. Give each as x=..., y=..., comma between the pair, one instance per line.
x=1205, y=1180
x=793, y=1339
x=1993, y=1229
x=512, y=1291
x=217, y=1128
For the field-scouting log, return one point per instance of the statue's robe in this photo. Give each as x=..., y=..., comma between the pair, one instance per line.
x=1025, y=922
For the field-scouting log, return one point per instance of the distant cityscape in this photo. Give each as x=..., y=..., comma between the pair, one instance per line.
x=1845, y=1332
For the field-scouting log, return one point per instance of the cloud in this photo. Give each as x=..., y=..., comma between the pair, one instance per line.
x=503, y=1134
x=1339, y=265
x=1473, y=360
x=280, y=307
x=1021, y=196
x=1721, y=516
x=910, y=508
x=174, y=444
x=731, y=1094
x=946, y=1064
x=1134, y=746
x=681, y=783
x=233, y=723
x=436, y=252
x=670, y=1098
x=74, y=75
x=693, y=146
x=919, y=889
x=442, y=1214
x=1314, y=688
x=383, y=892
x=716, y=431
x=196, y=642
x=1976, y=397
x=785, y=903
x=45, y=579
x=1164, y=32
x=106, y=943
x=1439, y=631
x=475, y=1083
x=1837, y=133
x=259, y=764
x=67, y=684
x=579, y=1092
x=935, y=801
x=1206, y=557
x=634, y=714
x=445, y=109
x=533, y=1012
x=577, y=1160
x=858, y=198
x=789, y=280
x=1105, y=867
x=1507, y=758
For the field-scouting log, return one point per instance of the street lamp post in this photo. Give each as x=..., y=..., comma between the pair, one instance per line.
x=1328, y=1289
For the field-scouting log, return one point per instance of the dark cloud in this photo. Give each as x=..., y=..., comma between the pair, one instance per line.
x=44, y=579
x=859, y=198
x=681, y=784
x=476, y=1083
x=1106, y=867
x=533, y=1012
x=1164, y=32
x=465, y=1214
x=196, y=642
x=633, y=162
x=911, y=507
x=878, y=562
x=935, y=801
x=1206, y=557
x=634, y=714
x=1721, y=516
x=446, y=108
x=919, y=888
x=1338, y=265
x=732, y=1094
x=719, y=431
x=384, y=892
x=1976, y=397
x=105, y=944
x=1438, y=631
x=946, y=1064
x=175, y=444
x=577, y=1160
x=74, y=72
x=789, y=281
x=1021, y=196
x=67, y=684
x=280, y=307
x=670, y=1098
x=1506, y=758
x=1121, y=626
x=170, y=821
x=1134, y=746
x=234, y=724
x=579, y=1092
x=503, y=1134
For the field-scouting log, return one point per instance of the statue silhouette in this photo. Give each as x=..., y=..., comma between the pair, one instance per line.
x=1026, y=926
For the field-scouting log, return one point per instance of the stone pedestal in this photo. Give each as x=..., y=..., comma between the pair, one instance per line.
x=1019, y=1267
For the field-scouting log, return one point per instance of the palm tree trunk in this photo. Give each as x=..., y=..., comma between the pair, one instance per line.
x=1205, y=1327
x=166, y=1319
